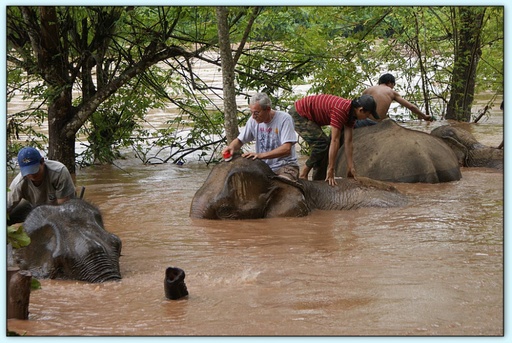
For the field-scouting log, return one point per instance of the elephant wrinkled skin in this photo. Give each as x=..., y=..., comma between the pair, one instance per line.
x=69, y=241
x=248, y=189
x=390, y=152
x=469, y=151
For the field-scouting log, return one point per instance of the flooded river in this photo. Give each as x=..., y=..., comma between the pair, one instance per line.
x=433, y=267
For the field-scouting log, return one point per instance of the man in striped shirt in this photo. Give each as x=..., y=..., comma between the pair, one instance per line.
x=313, y=112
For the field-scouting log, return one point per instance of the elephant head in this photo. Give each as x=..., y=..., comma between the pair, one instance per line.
x=390, y=152
x=248, y=189
x=245, y=189
x=69, y=241
x=469, y=152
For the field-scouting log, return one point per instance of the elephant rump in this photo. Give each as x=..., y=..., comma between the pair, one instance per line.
x=390, y=152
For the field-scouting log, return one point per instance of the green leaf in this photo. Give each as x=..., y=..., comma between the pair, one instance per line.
x=17, y=237
x=35, y=284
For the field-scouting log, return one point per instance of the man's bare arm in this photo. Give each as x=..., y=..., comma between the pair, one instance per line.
x=413, y=108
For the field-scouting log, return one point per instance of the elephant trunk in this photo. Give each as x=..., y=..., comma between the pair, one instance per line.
x=485, y=157
x=200, y=209
x=96, y=270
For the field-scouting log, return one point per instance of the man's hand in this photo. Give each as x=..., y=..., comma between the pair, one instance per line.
x=252, y=155
x=330, y=178
x=351, y=173
x=427, y=118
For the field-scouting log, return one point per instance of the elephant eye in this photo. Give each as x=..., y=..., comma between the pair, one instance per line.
x=226, y=212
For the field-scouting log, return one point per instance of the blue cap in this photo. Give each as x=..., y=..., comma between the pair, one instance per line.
x=29, y=160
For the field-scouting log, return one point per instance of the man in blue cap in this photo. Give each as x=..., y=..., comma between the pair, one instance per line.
x=39, y=182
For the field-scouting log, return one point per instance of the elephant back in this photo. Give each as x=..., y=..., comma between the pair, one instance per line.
x=390, y=152
x=350, y=194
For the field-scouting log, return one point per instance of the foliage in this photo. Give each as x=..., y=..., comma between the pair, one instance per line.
x=112, y=125
x=25, y=122
x=13, y=333
x=100, y=51
x=338, y=50
x=35, y=284
x=490, y=74
x=17, y=237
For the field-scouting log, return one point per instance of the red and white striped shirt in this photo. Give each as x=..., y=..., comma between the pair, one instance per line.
x=325, y=109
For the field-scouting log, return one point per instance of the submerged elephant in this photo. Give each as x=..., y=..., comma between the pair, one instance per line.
x=248, y=189
x=69, y=241
x=390, y=152
x=469, y=152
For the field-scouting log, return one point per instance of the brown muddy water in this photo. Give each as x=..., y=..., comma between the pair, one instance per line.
x=432, y=268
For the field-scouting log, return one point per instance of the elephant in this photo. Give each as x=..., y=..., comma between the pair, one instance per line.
x=392, y=153
x=69, y=241
x=469, y=152
x=248, y=189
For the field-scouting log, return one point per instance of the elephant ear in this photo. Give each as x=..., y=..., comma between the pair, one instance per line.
x=40, y=262
x=287, y=199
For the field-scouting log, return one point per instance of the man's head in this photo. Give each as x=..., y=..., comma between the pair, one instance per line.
x=387, y=79
x=29, y=160
x=260, y=106
x=367, y=102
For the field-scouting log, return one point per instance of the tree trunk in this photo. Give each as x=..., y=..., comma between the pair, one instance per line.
x=18, y=293
x=228, y=75
x=467, y=55
x=52, y=62
x=423, y=71
x=61, y=146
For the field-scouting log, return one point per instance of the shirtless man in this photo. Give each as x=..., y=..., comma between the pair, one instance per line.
x=384, y=94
